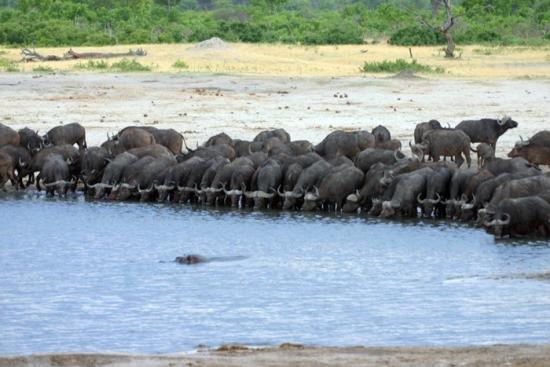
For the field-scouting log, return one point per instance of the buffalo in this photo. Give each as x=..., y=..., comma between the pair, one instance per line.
x=8, y=136
x=536, y=150
x=67, y=134
x=345, y=143
x=487, y=130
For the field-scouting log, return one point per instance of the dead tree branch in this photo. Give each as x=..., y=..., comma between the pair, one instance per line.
x=32, y=55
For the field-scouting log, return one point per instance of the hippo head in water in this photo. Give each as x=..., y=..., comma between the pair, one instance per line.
x=190, y=259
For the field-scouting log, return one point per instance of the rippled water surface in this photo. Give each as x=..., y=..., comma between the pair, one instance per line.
x=95, y=276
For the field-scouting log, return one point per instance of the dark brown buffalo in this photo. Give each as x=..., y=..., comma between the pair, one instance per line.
x=536, y=150
x=392, y=144
x=55, y=175
x=113, y=173
x=8, y=136
x=221, y=138
x=176, y=177
x=170, y=138
x=30, y=140
x=134, y=137
x=69, y=153
x=152, y=175
x=129, y=182
x=345, y=143
x=486, y=130
x=381, y=134
x=521, y=217
x=265, y=182
x=94, y=161
x=66, y=134
x=484, y=153
x=7, y=170
x=153, y=150
x=424, y=127
x=21, y=159
x=277, y=133
x=334, y=188
x=444, y=143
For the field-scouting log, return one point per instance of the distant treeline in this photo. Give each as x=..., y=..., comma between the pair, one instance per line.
x=310, y=22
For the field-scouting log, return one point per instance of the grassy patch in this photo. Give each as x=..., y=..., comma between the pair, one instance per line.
x=180, y=64
x=8, y=65
x=127, y=66
x=92, y=65
x=397, y=66
x=43, y=69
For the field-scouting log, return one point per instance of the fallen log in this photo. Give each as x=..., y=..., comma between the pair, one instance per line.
x=32, y=55
x=103, y=55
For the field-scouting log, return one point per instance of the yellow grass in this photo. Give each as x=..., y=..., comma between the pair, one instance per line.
x=477, y=62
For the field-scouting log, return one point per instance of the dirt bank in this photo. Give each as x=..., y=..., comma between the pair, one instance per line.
x=294, y=355
x=309, y=108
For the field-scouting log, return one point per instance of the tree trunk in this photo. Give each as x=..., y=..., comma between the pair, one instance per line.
x=450, y=50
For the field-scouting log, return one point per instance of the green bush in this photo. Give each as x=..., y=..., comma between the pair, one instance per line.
x=92, y=65
x=180, y=64
x=398, y=66
x=416, y=36
x=127, y=66
x=90, y=22
x=8, y=65
x=43, y=69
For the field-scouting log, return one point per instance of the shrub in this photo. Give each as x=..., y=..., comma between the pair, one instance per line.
x=43, y=69
x=397, y=66
x=126, y=66
x=180, y=64
x=416, y=36
x=92, y=65
x=8, y=65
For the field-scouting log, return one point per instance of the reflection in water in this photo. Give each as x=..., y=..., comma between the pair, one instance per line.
x=97, y=276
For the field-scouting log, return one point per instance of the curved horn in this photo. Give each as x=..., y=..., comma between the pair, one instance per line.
x=316, y=190
x=420, y=200
x=250, y=194
x=506, y=221
x=490, y=224
x=141, y=191
x=397, y=159
x=55, y=183
x=436, y=201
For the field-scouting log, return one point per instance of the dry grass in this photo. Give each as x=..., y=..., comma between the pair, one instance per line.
x=291, y=60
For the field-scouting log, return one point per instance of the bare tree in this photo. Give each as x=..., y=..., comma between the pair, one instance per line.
x=445, y=28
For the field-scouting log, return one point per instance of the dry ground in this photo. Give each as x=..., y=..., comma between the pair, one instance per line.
x=202, y=105
x=478, y=62
x=295, y=355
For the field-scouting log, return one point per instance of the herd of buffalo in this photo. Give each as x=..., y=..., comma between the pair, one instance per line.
x=357, y=171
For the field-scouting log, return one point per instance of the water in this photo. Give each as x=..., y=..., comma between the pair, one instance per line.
x=90, y=276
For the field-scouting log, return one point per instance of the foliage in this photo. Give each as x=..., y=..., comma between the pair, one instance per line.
x=43, y=69
x=92, y=65
x=127, y=66
x=180, y=64
x=8, y=65
x=397, y=66
x=416, y=35
x=109, y=22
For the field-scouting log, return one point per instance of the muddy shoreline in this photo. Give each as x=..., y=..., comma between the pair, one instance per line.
x=298, y=355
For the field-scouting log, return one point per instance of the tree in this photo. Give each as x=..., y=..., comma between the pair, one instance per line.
x=445, y=28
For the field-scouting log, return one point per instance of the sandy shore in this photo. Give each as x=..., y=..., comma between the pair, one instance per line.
x=296, y=355
x=309, y=108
